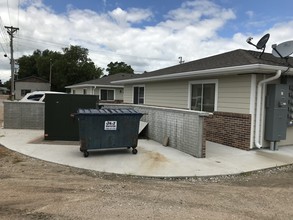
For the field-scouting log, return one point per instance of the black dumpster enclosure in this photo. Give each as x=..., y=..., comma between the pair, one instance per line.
x=108, y=128
x=59, y=125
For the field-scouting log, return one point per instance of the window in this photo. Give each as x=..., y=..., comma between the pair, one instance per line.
x=25, y=91
x=107, y=94
x=35, y=97
x=138, y=95
x=203, y=97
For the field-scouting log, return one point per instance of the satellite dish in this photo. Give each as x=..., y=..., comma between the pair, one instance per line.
x=283, y=50
x=261, y=44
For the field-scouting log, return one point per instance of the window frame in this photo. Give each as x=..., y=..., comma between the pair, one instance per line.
x=138, y=86
x=202, y=82
x=107, y=95
x=23, y=92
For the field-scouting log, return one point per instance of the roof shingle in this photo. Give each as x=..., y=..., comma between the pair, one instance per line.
x=106, y=80
x=229, y=59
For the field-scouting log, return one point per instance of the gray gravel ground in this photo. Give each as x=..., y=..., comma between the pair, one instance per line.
x=34, y=189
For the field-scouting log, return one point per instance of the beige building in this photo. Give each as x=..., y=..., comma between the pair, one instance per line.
x=230, y=86
x=103, y=87
x=30, y=84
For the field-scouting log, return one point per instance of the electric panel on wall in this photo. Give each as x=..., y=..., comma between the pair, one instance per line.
x=288, y=80
x=276, y=112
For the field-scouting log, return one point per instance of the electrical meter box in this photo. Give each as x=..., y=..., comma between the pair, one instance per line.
x=276, y=112
x=288, y=80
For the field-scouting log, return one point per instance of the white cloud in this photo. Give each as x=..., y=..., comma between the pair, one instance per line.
x=190, y=31
x=134, y=15
x=250, y=14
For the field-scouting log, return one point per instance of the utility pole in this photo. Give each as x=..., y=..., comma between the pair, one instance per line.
x=11, y=30
x=50, y=76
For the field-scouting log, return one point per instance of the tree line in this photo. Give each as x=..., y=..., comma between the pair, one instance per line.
x=71, y=66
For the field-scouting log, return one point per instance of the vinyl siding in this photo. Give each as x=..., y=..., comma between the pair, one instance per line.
x=234, y=94
x=118, y=94
x=80, y=90
x=127, y=95
x=167, y=94
x=289, y=138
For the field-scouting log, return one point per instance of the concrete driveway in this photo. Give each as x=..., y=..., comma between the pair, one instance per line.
x=152, y=159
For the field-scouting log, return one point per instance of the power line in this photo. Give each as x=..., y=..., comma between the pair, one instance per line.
x=95, y=51
x=18, y=13
x=41, y=42
x=18, y=6
x=4, y=37
x=8, y=12
x=3, y=49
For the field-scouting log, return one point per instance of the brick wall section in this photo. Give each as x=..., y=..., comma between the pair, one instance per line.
x=231, y=129
x=23, y=115
x=184, y=128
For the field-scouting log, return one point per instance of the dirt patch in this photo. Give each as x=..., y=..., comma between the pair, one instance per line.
x=34, y=189
x=156, y=157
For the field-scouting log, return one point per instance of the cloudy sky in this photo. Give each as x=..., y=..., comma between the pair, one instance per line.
x=148, y=35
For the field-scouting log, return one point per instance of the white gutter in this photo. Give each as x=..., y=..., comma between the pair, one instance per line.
x=93, y=85
x=252, y=68
x=260, y=109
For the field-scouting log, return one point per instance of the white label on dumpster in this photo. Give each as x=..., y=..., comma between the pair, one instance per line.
x=110, y=125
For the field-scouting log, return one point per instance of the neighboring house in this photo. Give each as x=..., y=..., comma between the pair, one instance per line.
x=30, y=84
x=230, y=86
x=103, y=87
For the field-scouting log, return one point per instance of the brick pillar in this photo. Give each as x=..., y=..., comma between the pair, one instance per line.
x=231, y=129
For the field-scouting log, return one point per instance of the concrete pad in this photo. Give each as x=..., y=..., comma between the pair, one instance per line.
x=152, y=159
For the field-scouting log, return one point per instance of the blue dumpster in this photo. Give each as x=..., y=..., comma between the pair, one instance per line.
x=108, y=128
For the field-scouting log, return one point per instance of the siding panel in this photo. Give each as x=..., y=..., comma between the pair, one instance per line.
x=234, y=94
x=170, y=94
x=127, y=96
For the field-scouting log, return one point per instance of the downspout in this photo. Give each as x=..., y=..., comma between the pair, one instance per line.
x=260, y=109
x=93, y=90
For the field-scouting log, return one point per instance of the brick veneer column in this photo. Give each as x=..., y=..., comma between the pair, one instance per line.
x=231, y=129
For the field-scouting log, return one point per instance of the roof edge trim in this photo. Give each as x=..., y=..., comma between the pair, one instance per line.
x=94, y=85
x=211, y=72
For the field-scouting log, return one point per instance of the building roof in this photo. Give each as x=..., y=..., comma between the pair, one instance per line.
x=233, y=62
x=33, y=79
x=105, y=81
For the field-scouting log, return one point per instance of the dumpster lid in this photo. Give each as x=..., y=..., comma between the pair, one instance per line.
x=105, y=111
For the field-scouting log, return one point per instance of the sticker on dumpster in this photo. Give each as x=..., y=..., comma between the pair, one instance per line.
x=110, y=125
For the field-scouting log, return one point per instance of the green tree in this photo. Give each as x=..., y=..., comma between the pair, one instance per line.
x=73, y=67
x=37, y=64
x=119, y=67
x=67, y=68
